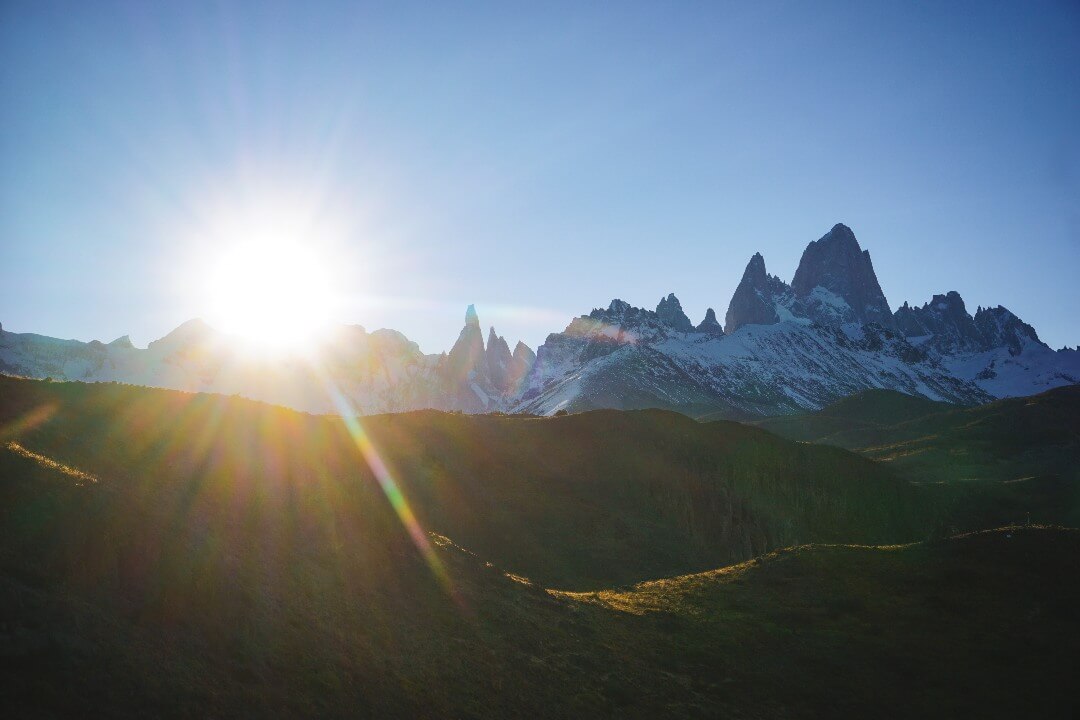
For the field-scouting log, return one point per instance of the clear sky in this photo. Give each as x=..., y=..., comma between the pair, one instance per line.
x=533, y=159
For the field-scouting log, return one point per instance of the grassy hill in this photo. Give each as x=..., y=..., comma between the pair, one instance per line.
x=582, y=501
x=1014, y=460
x=861, y=415
x=164, y=554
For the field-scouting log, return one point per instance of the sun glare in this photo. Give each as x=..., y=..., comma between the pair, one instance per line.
x=274, y=293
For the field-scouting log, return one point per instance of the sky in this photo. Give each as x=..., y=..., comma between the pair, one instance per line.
x=535, y=159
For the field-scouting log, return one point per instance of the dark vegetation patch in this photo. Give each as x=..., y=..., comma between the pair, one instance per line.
x=239, y=560
x=1011, y=461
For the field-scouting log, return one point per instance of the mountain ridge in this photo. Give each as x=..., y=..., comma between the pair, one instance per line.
x=783, y=349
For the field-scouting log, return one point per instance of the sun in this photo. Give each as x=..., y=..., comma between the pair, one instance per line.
x=273, y=292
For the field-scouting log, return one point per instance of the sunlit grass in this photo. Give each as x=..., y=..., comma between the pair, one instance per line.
x=78, y=475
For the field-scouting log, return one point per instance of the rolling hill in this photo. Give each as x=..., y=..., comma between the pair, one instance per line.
x=580, y=501
x=171, y=554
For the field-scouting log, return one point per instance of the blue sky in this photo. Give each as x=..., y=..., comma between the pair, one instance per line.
x=533, y=159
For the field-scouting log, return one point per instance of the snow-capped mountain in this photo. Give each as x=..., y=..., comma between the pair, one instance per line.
x=786, y=348
x=626, y=357
x=783, y=348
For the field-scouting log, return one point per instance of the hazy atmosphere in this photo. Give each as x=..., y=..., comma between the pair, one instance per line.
x=537, y=160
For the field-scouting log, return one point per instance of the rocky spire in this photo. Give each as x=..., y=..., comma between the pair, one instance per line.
x=468, y=351
x=671, y=314
x=756, y=297
x=498, y=360
x=843, y=271
x=524, y=353
x=710, y=325
x=520, y=365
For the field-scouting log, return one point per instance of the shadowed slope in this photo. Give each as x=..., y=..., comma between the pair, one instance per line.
x=238, y=560
x=580, y=501
x=1014, y=460
x=863, y=413
x=257, y=628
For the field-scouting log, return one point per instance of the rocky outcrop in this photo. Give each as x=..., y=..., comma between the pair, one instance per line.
x=1000, y=328
x=757, y=297
x=468, y=351
x=710, y=325
x=520, y=366
x=944, y=325
x=670, y=312
x=498, y=360
x=946, y=319
x=836, y=283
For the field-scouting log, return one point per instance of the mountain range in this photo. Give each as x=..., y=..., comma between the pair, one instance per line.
x=783, y=349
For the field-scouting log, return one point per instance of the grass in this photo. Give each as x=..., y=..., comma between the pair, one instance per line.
x=238, y=560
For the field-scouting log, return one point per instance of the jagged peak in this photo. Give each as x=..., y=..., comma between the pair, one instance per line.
x=670, y=312
x=471, y=318
x=124, y=341
x=836, y=249
x=999, y=310
x=710, y=324
x=755, y=298
x=1000, y=326
x=841, y=233
x=496, y=343
x=523, y=349
x=622, y=311
x=836, y=264
x=949, y=301
x=755, y=268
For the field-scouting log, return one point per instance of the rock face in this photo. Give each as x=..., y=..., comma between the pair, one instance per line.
x=757, y=370
x=671, y=314
x=946, y=319
x=757, y=298
x=478, y=379
x=1000, y=328
x=836, y=282
x=467, y=352
x=499, y=361
x=710, y=325
x=522, y=362
x=945, y=325
x=786, y=349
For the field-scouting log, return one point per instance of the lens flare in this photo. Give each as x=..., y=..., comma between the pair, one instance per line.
x=391, y=489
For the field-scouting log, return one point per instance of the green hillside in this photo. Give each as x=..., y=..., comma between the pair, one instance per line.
x=1014, y=460
x=582, y=501
x=174, y=555
x=862, y=414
